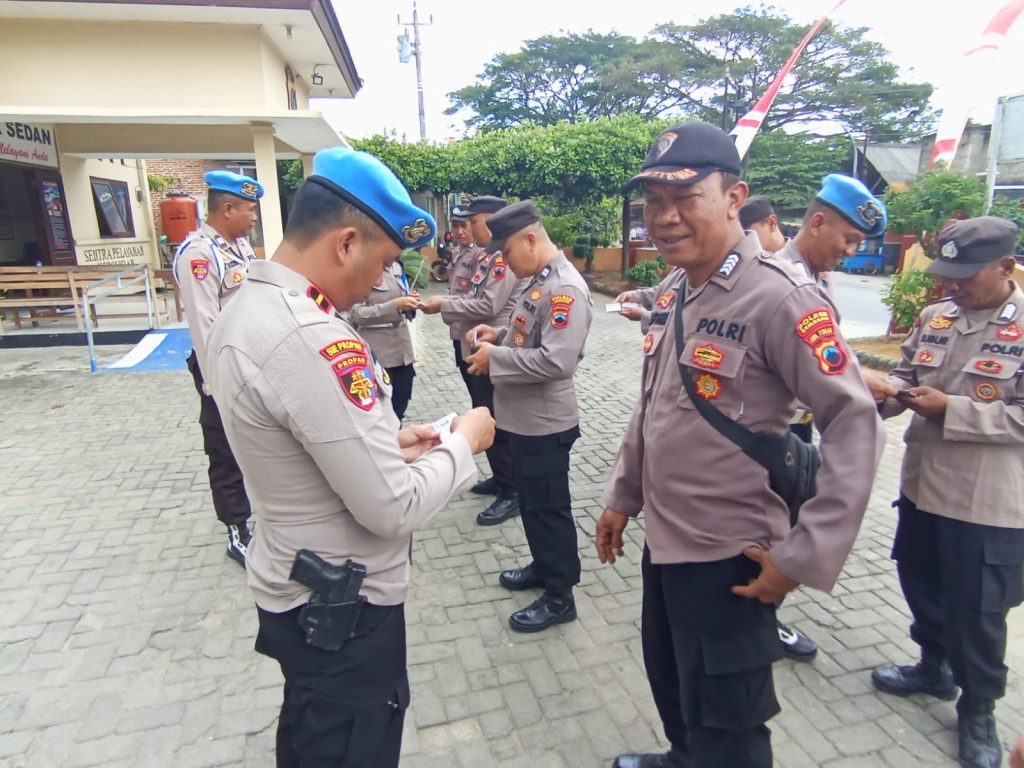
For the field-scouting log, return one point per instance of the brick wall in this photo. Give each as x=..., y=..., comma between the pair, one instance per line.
x=188, y=175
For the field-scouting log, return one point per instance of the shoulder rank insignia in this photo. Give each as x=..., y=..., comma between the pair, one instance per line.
x=353, y=367
x=941, y=323
x=200, y=269
x=561, y=304
x=709, y=386
x=1008, y=311
x=1010, y=332
x=320, y=299
x=728, y=265
x=817, y=329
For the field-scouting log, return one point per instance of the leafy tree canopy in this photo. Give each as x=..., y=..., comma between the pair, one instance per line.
x=927, y=205
x=723, y=63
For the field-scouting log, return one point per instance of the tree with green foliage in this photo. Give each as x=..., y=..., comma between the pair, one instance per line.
x=927, y=205
x=1011, y=208
x=721, y=64
x=787, y=168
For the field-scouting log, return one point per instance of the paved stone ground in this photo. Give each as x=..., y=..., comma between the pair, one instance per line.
x=126, y=635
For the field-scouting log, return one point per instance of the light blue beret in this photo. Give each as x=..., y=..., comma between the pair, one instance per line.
x=365, y=182
x=234, y=184
x=854, y=202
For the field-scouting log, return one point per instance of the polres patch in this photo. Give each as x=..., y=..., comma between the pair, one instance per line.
x=200, y=269
x=561, y=305
x=818, y=330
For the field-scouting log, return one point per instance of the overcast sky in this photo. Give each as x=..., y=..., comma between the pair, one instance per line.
x=926, y=42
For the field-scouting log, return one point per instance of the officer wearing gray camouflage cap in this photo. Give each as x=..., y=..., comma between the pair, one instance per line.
x=959, y=545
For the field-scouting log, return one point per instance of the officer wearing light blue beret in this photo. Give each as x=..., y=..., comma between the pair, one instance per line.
x=841, y=215
x=210, y=267
x=331, y=474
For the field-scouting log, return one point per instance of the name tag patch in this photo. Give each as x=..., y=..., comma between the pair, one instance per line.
x=817, y=329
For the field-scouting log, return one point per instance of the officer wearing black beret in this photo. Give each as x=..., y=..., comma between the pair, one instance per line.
x=959, y=545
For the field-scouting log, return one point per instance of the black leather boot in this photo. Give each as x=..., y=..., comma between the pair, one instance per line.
x=654, y=760
x=930, y=677
x=488, y=487
x=976, y=727
x=501, y=509
x=521, y=578
x=547, y=610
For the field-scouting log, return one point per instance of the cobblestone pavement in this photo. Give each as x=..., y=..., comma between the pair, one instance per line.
x=126, y=634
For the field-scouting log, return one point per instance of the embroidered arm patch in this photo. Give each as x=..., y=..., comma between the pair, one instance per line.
x=353, y=366
x=817, y=329
x=561, y=305
x=200, y=269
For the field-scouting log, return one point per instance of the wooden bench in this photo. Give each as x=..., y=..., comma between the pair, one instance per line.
x=44, y=291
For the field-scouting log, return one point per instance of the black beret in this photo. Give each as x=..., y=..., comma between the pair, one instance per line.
x=508, y=221
x=967, y=246
x=757, y=208
x=686, y=153
x=486, y=204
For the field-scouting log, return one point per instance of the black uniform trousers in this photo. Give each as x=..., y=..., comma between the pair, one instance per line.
x=226, y=485
x=541, y=468
x=708, y=655
x=345, y=708
x=481, y=394
x=401, y=388
x=960, y=580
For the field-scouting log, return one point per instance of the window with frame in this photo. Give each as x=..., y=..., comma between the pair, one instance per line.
x=113, y=207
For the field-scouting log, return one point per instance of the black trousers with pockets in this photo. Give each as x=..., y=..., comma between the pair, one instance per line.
x=960, y=579
x=709, y=655
x=345, y=708
x=230, y=501
x=541, y=467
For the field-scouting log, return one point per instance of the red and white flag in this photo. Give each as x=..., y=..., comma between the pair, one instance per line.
x=748, y=125
x=977, y=59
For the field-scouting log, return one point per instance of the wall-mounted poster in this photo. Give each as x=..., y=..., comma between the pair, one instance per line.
x=56, y=215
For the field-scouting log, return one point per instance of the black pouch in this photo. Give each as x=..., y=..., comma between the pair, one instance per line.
x=792, y=467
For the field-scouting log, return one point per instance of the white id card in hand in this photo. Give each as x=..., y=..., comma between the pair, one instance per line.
x=613, y=306
x=443, y=426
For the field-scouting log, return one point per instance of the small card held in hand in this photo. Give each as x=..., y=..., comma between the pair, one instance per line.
x=615, y=306
x=443, y=426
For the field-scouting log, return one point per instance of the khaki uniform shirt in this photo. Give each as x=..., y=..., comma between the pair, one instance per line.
x=791, y=253
x=382, y=324
x=758, y=333
x=969, y=465
x=460, y=277
x=491, y=293
x=309, y=418
x=532, y=369
x=209, y=271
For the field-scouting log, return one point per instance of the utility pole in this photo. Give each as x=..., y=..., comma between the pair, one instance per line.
x=404, y=50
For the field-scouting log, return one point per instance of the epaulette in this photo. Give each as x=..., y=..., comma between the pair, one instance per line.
x=309, y=308
x=792, y=272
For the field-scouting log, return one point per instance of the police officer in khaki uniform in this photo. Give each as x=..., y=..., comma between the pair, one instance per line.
x=383, y=320
x=460, y=276
x=720, y=551
x=491, y=294
x=331, y=474
x=532, y=362
x=758, y=216
x=841, y=215
x=959, y=544
x=210, y=267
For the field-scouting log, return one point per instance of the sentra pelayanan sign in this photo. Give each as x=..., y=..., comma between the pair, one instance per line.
x=28, y=143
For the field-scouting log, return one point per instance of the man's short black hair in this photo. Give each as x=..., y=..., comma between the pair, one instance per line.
x=215, y=199
x=316, y=210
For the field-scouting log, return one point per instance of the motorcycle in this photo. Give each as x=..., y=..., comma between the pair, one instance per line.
x=441, y=268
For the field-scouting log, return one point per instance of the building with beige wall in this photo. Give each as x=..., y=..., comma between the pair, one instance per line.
x=92, y=88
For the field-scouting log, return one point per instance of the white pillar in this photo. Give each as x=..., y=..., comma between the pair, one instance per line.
x=307, y=166
x=266, y=170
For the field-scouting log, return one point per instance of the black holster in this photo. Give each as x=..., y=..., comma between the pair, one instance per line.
x=330, y=616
